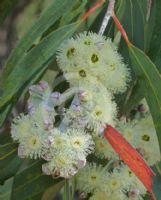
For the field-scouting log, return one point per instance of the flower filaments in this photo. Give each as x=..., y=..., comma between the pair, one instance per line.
x=20, y=127
x=103, y=149
x=89, y=54
x=142, y=135
x=131, y=184
x=26, y=130
x=92, y=65
x=96, y=112
x=118, y=184
x=92, y=178
x=147, y=140
x=68, y=151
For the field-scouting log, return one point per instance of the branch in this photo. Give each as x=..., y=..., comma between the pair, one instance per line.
x=149, y=6
x=107, y=17
x=120, y=27
x=93, y=9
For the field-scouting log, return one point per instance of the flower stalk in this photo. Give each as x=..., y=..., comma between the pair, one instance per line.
x=66, y=194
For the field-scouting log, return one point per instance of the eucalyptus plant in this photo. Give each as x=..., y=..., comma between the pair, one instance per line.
x=88, y=75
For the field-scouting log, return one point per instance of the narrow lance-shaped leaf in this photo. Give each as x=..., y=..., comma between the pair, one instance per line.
x=31, y=183
x=9, y=161
x=150, y=82
x=34, y=61
x=155, y=45
x=157, y=180
x=49, y=17
x=6, y=189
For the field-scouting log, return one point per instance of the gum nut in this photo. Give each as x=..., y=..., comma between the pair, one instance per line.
x=47, y=157
x=48, y=124
x=141, y=151
x=73, y=171
x=45, y=169
x=76, y=108
x=34, y=89
x=43, y=85
x=55, y=95
x=81, y=163
x=101, y=131
x=83, y=96
x=49, y=108
x=100, y=44
x=50, y=141
x=134, y=193
x=21, y=152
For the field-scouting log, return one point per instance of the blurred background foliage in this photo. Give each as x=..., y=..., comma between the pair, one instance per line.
x=34, y=29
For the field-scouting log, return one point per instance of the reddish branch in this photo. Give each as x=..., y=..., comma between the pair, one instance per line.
x=93, y=9
x=120, y=27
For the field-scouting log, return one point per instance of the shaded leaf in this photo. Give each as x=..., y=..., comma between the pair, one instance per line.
x=35, y=61
x=157, y=180
x=6, y=189
x=132, y=99
x=77, y=10
x=52, y=191
x=150, y=83
x=6, y=6
x=32, y=37
x=155, y=45
x=9, y=161
x=30, y=183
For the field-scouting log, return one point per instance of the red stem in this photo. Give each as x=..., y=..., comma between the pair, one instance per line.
x=120, y=27
x=93, y=9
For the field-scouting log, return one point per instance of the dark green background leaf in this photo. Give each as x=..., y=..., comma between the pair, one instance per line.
x=6, y=6
x=150, y=83
x=9, y=161
x=30, y=183
x=155, y=45
x=36, y=60
x=6, y=189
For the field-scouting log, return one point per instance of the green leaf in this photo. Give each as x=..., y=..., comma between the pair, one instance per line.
x=133, y=17
x=36, y=60
x=6, y=6
x=52, y=191
x=155, y=45
x=50, y=16
x=150, y=82
x=157, y=180
x=6, y=190
x=73, y=13
x=132, y=100
x=9, y=161
x=30, y=183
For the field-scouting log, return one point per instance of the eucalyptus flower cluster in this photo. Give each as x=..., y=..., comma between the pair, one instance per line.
x=64, y=151
x=65, y=135
x=104, y=183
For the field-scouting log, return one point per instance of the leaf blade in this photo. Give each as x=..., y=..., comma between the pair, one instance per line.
x=35, y=61
x=30, y=182
x=150, y=82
